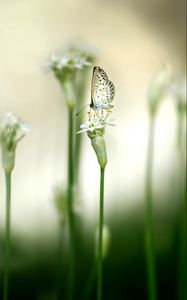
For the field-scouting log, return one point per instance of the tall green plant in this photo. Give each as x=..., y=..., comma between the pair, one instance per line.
x=66, y=66
x=95, y=128
x=156, y=92
x=178, y=93
x=12, y=130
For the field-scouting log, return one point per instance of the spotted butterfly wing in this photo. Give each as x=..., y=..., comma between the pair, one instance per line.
x=102, y=91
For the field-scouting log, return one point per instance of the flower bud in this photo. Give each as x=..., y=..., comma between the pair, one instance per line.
x=98, y=143
x=157, y=89
x=178, y=92
x=60, y=201
x=8, y=158
x=66, y=65
x=12, y=130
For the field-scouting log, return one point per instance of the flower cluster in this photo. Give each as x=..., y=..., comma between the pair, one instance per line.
x=12, y=130
x=68, y=67
x=96, y=121
x=66, y=63
x=95, y=128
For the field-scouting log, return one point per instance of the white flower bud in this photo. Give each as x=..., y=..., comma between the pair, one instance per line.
x=12, y=130
x=98, y=143
x=95, y=128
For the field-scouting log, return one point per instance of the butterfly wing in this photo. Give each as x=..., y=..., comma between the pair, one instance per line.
x=102, y=92
x=99, y=77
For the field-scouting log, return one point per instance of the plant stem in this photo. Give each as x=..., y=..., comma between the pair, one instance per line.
x=182, y=223
x=60, y=262
x=7, y=234
x=70, y=206
x=100, y=238
x=182, y=241
x=149, y=233
x=90, y=283
x=80, y=92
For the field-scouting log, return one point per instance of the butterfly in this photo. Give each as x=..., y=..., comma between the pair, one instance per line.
x=102, y=90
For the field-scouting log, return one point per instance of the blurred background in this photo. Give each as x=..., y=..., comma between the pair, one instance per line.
x=132, y=40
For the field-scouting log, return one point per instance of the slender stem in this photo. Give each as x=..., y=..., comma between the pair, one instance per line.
x=70, y=206
x=182, y=220
x=100, y=238
x=149, y=233
x=7, y=234
x=90, y=283
x=81, y=87
x=179, y=131
x=182, y=241
x=60, y=261
x=78, y=144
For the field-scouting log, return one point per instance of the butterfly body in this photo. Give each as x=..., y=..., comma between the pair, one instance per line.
x=102, y=90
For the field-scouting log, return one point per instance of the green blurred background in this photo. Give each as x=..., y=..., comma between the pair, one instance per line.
x=132, y=40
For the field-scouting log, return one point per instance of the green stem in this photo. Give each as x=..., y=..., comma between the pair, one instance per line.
x=179, y=131
x=90, y=283
x=100, y=238
x=60, y=261
x=149, y=234
x=7, y=234
x=182, y=227
x=80, y=91
x=70, y=206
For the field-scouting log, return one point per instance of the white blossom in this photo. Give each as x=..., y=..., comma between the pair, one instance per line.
x=96, y=120
x=11, y=127
x=12, y=130
x=71, y=59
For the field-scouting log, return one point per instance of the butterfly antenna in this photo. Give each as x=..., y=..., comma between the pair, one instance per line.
x=81, y=110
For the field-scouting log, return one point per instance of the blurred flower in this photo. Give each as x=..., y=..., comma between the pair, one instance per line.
x=73, y=59
x=158, y=88
x=12, y=130
x=60, y=200
x=65, y=63
x=178, y=92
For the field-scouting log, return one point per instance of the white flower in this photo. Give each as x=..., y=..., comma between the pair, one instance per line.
x=12, y=127
x=12, y=130
x=72, y=59
x=95, y=128
x=96, y=121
